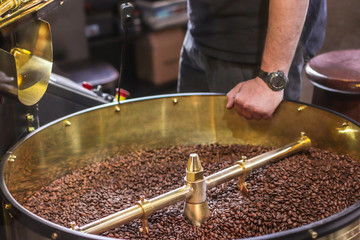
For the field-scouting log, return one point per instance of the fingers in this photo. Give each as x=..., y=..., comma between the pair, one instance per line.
x=230, y=101
x=249, y=111
x=232, y=95
x=253, y=101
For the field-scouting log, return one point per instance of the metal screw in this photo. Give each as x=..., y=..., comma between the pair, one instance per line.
x=54, y=236
x=313, y=234
x=301, y=108
x=8, y=206
x=61, y=3
x=117, y=108
x=30, y=129
x=175, y=101
x=345, y=124
x=11, y=158
x=29, y=118
x=67, y=123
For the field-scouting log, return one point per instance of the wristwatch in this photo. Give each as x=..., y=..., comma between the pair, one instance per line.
x=275, y=80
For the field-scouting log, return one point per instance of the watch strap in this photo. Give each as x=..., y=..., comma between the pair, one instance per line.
x=268, y=79
x=263, y=75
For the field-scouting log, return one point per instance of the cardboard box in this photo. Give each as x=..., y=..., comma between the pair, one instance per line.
x=164, y=13
x=157, y=55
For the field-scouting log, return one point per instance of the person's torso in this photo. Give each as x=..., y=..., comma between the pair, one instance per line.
x=235, y=30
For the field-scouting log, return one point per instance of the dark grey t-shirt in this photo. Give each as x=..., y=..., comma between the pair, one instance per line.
x=235, y=30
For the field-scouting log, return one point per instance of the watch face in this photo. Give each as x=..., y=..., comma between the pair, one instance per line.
x=277, y=81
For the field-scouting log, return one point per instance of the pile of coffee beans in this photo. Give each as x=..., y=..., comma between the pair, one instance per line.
x=295, y=191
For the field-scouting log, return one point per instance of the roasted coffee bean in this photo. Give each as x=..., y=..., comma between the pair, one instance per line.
x=290, y=193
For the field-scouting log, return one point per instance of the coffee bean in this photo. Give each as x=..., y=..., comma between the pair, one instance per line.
x=296, y=191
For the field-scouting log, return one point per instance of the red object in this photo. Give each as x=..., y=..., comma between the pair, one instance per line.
x=124, y=93
x=87, y=85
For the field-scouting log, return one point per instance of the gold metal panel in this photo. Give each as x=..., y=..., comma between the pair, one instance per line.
x=29, y=62
x=33, y=57
x=90, y=136
x=51, y=152
x=13, y=10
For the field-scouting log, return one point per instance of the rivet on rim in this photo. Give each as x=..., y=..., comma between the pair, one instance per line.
x=30, y=129
x=301, y=108
x=11, y=158
x=54, y=236
x=313, y=234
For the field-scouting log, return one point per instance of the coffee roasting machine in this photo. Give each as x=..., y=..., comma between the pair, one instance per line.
x=71, y=142
x=30, y=94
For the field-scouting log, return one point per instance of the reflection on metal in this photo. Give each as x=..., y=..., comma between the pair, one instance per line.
x=67, y=123
x=32, y=60
x=194, y=191
x=175, y=101
x=117, y=108
x=29, y=118
x=54, y=236
x=241, y=183
x=11, y=158
x=136, y=212
x=147, y=211
x=7, y=206
x=313, y=234
x=13, y=10
x=33, y=57
x=248, y=166
x=196, y=206
x=301, y=108
x=347, y=129
x=51, y=152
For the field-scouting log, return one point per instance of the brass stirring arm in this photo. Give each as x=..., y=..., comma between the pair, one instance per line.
x=194, y=191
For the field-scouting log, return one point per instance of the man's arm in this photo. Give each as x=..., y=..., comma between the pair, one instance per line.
x=253, y=99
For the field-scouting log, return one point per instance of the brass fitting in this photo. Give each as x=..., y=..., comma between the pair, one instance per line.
x=241, y=183
x=196, y=207
x=194, y=170
x=147, y=211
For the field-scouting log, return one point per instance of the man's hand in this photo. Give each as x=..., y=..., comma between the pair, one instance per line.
x=253, y=99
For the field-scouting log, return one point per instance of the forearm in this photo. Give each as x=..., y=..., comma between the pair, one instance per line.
x=286, y=20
